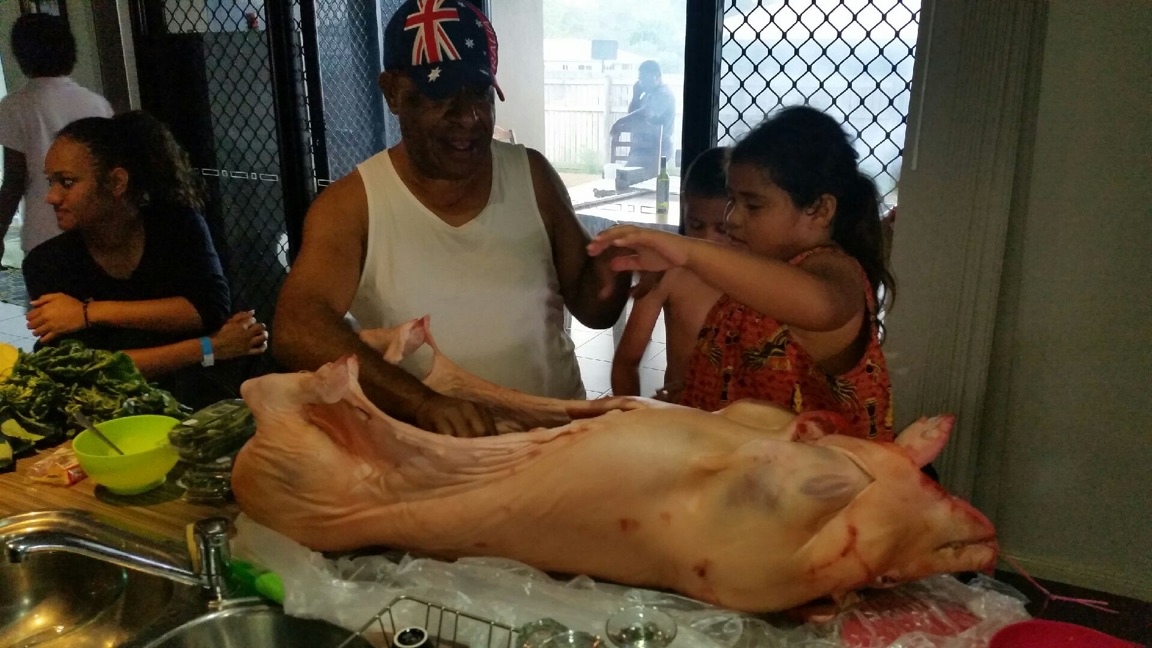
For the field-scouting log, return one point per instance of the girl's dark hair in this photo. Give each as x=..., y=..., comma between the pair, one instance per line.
x=158, y=169
x=807, y=154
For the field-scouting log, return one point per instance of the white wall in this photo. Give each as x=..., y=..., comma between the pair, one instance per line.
x=9, y=12
x=519, y=26
x=87, y=72
x=1022, y=256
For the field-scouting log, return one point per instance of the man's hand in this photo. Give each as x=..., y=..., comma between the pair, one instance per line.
x=55, y=314
x=455, y=417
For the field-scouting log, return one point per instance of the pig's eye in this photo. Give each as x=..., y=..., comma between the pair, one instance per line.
x=887, y=581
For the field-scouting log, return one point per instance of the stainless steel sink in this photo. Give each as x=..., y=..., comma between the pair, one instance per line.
x=60, y=599
x=254, y=626
x=72, y=579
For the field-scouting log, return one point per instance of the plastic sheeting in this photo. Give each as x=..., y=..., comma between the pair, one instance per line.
x=938, y=612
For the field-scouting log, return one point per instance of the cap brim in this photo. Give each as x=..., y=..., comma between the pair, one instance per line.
x=443, y=80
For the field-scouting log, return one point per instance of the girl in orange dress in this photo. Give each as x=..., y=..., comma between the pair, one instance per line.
x=798, y=322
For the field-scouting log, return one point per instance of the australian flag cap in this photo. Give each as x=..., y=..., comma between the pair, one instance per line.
x=443, y=45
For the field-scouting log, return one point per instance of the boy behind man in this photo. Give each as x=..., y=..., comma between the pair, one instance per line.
x=684, y=299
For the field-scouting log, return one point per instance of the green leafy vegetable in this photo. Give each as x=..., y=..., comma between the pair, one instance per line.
x=47, y=387
x=7, y=463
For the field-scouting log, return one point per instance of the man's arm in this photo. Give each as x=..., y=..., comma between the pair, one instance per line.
x=637, y=97
x=12, y=190
x=592, y=291
x=308, y=329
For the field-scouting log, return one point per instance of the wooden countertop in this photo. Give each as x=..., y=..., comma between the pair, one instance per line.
x=160, y=511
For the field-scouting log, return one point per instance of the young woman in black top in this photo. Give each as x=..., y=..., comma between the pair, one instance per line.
x=135, y=269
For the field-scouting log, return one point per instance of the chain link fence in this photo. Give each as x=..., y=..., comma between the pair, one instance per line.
x=851, y=58
x=207, y=72
x=220, y=104
x=357, y=122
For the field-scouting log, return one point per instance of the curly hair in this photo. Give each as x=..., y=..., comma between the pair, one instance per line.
x=43, y=45
x=807, y=154
x=159, y=172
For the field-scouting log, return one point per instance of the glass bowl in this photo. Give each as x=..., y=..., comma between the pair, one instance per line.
x=640, y=626
x=572, y=639
x=535, y=633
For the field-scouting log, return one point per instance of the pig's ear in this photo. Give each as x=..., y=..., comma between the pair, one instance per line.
x=924, y=439
x=813, y=426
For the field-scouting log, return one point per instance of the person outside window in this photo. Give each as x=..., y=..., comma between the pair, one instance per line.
x=649, y=122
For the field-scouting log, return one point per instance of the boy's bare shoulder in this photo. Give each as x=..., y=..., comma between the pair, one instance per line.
x=681, y=284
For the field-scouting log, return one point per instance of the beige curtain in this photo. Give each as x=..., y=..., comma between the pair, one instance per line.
x=973, y=101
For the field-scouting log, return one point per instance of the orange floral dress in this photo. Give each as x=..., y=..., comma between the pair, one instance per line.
x=741, y=353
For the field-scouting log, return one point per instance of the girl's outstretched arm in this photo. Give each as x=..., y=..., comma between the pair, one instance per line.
x=822, y=294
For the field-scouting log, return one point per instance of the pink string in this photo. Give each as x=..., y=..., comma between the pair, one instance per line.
x=1092, y=603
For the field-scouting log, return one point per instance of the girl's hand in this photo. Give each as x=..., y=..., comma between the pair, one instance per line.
x=240, y=336
x=651, y=250
x=55, y=314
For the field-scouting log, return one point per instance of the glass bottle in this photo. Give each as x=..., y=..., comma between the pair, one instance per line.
x=662, y=188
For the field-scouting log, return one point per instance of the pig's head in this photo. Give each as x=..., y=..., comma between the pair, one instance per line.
x=903, y=525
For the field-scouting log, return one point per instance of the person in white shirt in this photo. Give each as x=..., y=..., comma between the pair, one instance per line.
x=30, y=118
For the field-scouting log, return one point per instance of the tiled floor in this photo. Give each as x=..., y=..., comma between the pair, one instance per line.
x=594, y=351
x=14, y=328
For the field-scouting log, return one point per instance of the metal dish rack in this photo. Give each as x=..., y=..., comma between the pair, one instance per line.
x=444, y=625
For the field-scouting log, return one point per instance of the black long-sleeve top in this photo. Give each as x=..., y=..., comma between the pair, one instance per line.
x=178, y=261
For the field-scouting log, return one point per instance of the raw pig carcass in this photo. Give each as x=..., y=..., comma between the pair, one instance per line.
x=750, y=508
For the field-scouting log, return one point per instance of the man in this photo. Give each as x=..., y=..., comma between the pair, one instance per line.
x=478, y=234
x=651, y=116
x=31, y=116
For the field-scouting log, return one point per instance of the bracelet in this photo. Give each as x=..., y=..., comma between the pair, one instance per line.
x=209, y=358
x=84, y=309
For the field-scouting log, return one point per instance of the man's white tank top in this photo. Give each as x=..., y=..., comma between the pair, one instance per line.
x=489, y=285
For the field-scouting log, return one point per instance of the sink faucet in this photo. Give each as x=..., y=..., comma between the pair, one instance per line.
x=203, y=562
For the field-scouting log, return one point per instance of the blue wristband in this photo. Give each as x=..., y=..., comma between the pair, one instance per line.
x=209, y=358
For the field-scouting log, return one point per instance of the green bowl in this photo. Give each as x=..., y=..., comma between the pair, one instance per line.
x=147, y=454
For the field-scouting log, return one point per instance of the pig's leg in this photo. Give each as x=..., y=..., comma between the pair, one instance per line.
x=408, y=459
x=514, y=411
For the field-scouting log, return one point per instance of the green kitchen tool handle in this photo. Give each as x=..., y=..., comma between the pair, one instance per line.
x=252, y=580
